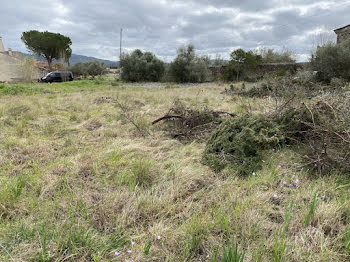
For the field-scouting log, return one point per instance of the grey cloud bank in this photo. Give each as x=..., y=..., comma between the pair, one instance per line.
x=214, y=27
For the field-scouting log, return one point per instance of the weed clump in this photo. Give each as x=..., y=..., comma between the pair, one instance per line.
x=240, y=143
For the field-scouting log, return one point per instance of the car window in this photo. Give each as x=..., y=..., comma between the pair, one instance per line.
x=57, y=74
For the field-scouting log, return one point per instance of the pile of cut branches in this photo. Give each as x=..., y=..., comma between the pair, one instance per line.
x=186, y=123
x=318, y=130
x=280, y=87
x=323, y=130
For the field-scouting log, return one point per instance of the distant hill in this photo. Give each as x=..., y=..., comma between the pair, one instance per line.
x=78, y=59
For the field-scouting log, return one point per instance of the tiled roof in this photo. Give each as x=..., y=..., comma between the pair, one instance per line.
x=335, y=30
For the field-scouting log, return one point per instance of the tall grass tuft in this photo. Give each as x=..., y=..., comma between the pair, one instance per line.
x=279, y=244
x=311, y=210
x=347, y=239
x=196, y=234
x=141, y=173
x=230, y=254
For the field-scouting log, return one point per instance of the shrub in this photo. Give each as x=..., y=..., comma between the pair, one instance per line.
x=338, y=82
x=96, y=68
x=270, y=56
x=188, y=67
x=241, y=62
x=28, y=69
x=332, y=60
x=305, y=77
x=281, y=72
x=92, y=68
x=240, y=142
x=139, y=66
x=78, y=69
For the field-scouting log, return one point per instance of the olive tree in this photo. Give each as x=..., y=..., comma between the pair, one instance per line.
x=92, y=68
x=272, y=56
x=240, y=63
x=188, y=67
x=332, y=60
x=139, y=66
x=95, y=68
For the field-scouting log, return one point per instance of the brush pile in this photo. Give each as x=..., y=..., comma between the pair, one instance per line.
x=285, y=87
x=319, y=131
x=322, y=130
x=187, y=123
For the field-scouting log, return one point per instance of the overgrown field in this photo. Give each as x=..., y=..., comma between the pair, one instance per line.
x=85, y=176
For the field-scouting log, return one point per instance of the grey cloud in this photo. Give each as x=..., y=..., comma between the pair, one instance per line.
x=213, y=26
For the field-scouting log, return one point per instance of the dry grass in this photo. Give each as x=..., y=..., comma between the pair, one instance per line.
x=79, y=181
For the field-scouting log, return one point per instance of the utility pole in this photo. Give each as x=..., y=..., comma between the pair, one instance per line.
x=121, y=38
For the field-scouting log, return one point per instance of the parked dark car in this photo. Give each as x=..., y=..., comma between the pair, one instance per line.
x=57, y=76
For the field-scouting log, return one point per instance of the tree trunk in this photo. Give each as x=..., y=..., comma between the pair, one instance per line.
x=49, y=62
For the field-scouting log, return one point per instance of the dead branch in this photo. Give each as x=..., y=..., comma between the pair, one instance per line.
x=126, y=114
x=224, y=113
x=312, y=115
x=286, y=103
x=183, y=117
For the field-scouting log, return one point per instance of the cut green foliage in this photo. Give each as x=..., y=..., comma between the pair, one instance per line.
x=239, y=143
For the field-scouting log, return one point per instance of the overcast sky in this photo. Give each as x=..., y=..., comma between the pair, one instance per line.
x=161, y=26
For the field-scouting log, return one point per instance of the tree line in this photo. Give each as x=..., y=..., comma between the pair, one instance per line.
x=330, y=60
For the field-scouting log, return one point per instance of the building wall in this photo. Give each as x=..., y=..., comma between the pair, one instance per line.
x=11, y=69
x=343, y=34
x=2, y=49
